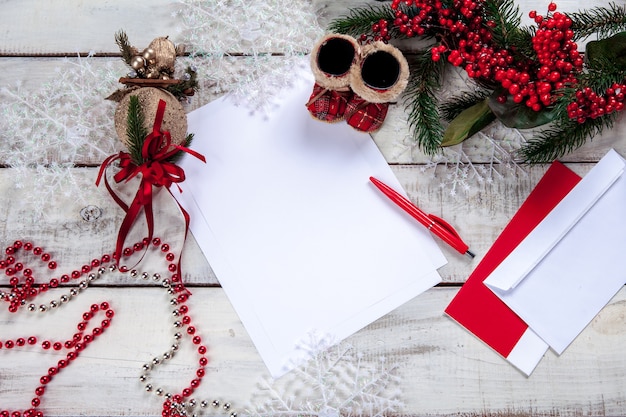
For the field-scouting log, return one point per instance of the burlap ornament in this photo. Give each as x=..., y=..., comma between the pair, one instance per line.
x=174, y=120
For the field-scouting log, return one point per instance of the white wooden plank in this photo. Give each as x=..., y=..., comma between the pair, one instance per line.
x=393, y=139
x=479, y=214
x=32, y=27
x=444, y=370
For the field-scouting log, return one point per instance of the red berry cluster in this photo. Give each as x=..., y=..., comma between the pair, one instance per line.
x=465, y=40
x=588, y=104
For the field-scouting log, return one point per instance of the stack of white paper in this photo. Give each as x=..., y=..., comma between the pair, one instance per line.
x=298, y=237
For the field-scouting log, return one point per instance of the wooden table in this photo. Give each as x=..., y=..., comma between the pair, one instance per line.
x=443, y=369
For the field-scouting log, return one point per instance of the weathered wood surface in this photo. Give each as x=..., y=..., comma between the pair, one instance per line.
x=444, y=370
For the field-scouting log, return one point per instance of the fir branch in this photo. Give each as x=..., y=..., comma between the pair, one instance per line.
x=602, y=21
x=452, y=108
x=360, y=20
x=176, y=157
x=563, y=137
x=180, y=90
x=602, y=74
x=507, y=17
x=121, y=39
x=135, y=131
x=421, y=101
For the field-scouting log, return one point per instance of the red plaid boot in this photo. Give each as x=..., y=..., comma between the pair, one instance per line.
x=332, y=61
x=380, y=78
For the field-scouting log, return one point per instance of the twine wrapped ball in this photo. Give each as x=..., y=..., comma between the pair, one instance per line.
x=174, y=119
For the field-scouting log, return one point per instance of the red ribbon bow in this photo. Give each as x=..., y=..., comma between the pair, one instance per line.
x=156, y=170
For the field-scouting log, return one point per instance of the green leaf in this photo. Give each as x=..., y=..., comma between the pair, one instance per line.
x=467, y=123
x=518, y=115
x=611, y=49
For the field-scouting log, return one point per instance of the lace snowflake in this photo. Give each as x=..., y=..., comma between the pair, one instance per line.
x=337, y=381
x=258, y=32
x=52, y=128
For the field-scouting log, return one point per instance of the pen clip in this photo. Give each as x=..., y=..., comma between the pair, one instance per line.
x=445, y=225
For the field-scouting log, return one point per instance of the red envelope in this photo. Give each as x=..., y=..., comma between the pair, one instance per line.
x=477, y=309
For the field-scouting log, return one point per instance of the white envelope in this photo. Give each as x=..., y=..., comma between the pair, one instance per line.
x=298, y=237
x=573, y=262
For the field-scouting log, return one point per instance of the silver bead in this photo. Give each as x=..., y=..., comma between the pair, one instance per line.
x=176, y=313
x=170, y=291
x=2, y=295
x=149, y=387
x=43, y=308
x=204, y=403
x=112, y=267
x=166, y=283
x=159, y=391
x=23, y=302
x=54, y=304
x=192, y=402
x=156, y=361
x=156, y=277
x=233, y=414
x=174, y=301
x=143, y=378
x=226, y=406
x=32, y=307
x=174, y=347
x=145, y=275
x=177, y=323
x=168, y=395
x=82, y=285
x=167, y=356
x=216, y=403
x=178, y=335
x=146, y=367
x=101, y=270
x=133, y=273
x=73, y=292
x=65, y=298
x=91, y=277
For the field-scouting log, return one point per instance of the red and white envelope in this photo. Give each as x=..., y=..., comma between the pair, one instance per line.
x=555, y=266
x=479, y=310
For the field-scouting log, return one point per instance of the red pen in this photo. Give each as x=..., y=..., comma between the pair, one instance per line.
x=433, y=223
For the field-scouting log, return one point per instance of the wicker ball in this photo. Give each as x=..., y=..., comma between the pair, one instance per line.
x=174, y=119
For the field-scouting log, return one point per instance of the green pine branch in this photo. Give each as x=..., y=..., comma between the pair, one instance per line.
x=179, y=90
x=421, y=102
x=135, y=130
x=602, y=21
x=121, y=39
x=452, y=108
x=601, y=75
x=360, y=20
x=176, y=157
x=563, y=137
x=507, y=17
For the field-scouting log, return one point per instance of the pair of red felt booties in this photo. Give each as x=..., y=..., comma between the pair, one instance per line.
x=355, y=83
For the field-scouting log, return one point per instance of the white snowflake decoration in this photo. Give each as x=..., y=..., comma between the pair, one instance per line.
x=213, y=30
x=51, y=129
x=337, y=381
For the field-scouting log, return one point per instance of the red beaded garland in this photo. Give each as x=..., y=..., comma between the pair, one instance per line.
x=20, y=293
